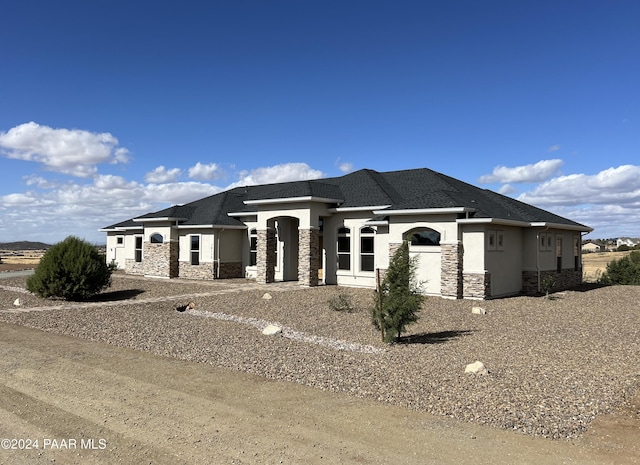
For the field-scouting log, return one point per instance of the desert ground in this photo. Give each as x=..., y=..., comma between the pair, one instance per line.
x=128, y=379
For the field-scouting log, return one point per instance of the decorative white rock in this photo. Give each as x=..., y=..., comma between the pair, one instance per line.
x=272, y=330
x=478, y=311
x=267, y=296
x=477, y=368
x=17, y=302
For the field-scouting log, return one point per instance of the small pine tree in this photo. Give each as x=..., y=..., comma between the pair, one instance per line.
x=72, y=269
x=399, y=298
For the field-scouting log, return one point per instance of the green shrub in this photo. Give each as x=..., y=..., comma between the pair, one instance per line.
x=341, y=303
x=399, y=299
x=625, y=270
x=72, y=269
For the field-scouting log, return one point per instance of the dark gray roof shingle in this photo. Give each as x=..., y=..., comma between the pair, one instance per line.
x=400, y=190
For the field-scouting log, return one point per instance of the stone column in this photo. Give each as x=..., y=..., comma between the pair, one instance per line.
x=308, y=256
x=451, y=269
x=266, y=256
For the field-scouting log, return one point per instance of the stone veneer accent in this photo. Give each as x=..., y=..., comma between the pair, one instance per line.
x=209, y=271
x=308, y=256
x=451, y=270
x=202, y=271
x=133, y=267
x=266, y=256
x=230, y=270
x=566, y=279
x=160, y=259
x=477, y=285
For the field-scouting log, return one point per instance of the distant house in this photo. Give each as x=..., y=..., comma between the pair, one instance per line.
x=590, y=247
x=471, y=242
x=631, y=242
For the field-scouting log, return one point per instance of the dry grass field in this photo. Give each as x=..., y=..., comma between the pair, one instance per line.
x=594, y=264
x=20, y=260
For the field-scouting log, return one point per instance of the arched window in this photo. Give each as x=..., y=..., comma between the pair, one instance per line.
x=156, y=238
x=253, y=247
x=367, y=250
x=344, y=249
x=423, y=236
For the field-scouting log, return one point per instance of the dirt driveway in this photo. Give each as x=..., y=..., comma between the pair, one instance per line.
x=91, y=403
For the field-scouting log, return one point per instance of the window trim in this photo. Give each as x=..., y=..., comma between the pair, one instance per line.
x=345, y=233
x=418, y=229
x=195, y=262
x=253, y=252
x=137, y=251
x=120, y=240
x=370, y=234
x=156, y=238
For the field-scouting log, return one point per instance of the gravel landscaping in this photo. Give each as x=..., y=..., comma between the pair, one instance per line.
x=554, y=364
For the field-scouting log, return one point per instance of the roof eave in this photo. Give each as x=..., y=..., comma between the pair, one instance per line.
x=121, y=228
x=500, y=221
x=358, y=209
x=572, y=227
x=159, y=219
x=426, y=211
x=308, y=198
x=210, y=226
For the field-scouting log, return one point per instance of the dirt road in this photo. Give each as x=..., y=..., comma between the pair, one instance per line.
x=91, y=403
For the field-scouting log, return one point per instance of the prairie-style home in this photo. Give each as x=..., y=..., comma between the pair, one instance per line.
x=471, y=242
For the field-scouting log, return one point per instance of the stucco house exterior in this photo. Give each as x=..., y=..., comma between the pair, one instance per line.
x=471, y=242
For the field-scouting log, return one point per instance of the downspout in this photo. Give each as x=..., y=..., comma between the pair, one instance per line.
x=538, y=256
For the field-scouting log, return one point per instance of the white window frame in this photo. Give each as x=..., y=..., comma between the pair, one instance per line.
x=192, y=250
x=368, y=235
x=136, y=249
x=344, y=232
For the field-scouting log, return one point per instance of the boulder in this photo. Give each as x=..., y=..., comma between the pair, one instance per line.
x=17, y=302
x=189, y=306
x=272, y=330
x=476, y=368
x=267, y=296
x=478, y=311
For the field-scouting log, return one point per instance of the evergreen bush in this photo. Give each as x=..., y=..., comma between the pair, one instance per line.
x=626, y=270
x=72, y=269
x=399, y=299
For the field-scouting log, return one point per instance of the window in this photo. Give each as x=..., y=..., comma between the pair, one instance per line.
x=119, y=241
x=543, y=241
x=491, y=240
x=559, y=254
x=576, y=253
x=344, y=249
x=423, y=236
x=156, y=239
x=366, y=249
x=500, y=240
x=195, y=250
x=138, y=249
x=253, y=247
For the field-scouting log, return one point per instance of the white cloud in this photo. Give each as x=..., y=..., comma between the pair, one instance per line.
x=344, y=166
x=523, y=174
x=553, y=148
x=201, y=172
x=40, y=182
x=507, y=189
x=163, y=175
x=179, y=192
x=278, y=173
x=614, y=186
x=70, y=151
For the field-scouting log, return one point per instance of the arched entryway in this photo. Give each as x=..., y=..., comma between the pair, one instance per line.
x=287, y=252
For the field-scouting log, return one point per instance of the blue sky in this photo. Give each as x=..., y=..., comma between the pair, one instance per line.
x=113, y=109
